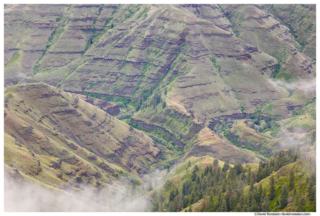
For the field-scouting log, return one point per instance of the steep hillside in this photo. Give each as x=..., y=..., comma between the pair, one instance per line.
x=270, y=35
x=269, y=134
x=196, y=55
x=209, y=143
x=24, y=193
x=56, y=138
x=111, y=108
x=284, y=183
x=116, y=94
x=301, y=20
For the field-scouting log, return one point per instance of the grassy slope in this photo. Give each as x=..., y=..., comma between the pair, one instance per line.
x=185, y=103
x=181, y=173
x=300, y=19
x=39, y=127
x=269, y=130
x=302, y=171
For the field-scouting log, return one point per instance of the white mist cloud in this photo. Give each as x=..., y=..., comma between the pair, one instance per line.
x=21, y=75
x=23, y=196
x=305, y=85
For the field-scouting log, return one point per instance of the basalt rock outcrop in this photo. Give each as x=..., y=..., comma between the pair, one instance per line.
x=72, y=135
x=209, y=143
x=126, y=50
x=111, y=108
x=181, y=69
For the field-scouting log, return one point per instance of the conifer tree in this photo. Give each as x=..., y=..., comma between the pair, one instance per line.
x=238, y=207
x=228, y=202
x=155, y=206
x=189, y=164
x=234, y=201
x=198, y=180
x=260, y=190
x=171, y=197
x=177, y=192
x=313, y=177
x=243, y=200
x=261, y=175
x=301, y=205
x=278, y=202
x=223, y=207
x=171, y=207
x=256, y=196
x=260, y=168
x=249, y=175
x=291, y=180
x=254, y=206
x=185, y=201
x=311, y=191
x=194, y=175
x=245, y=208
x=265, y=206
x=215, y=163
x=250, y=198
x=176, y=206
x=220, y=198
x=201, y=194
x=160, y=207
x=224, y=186
x=284, y=196
x=225, y=166
x=192, y=198
x=243, y=176
x=251, y=187
x=264, y=192
x=253, y=177
x=272, y=188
